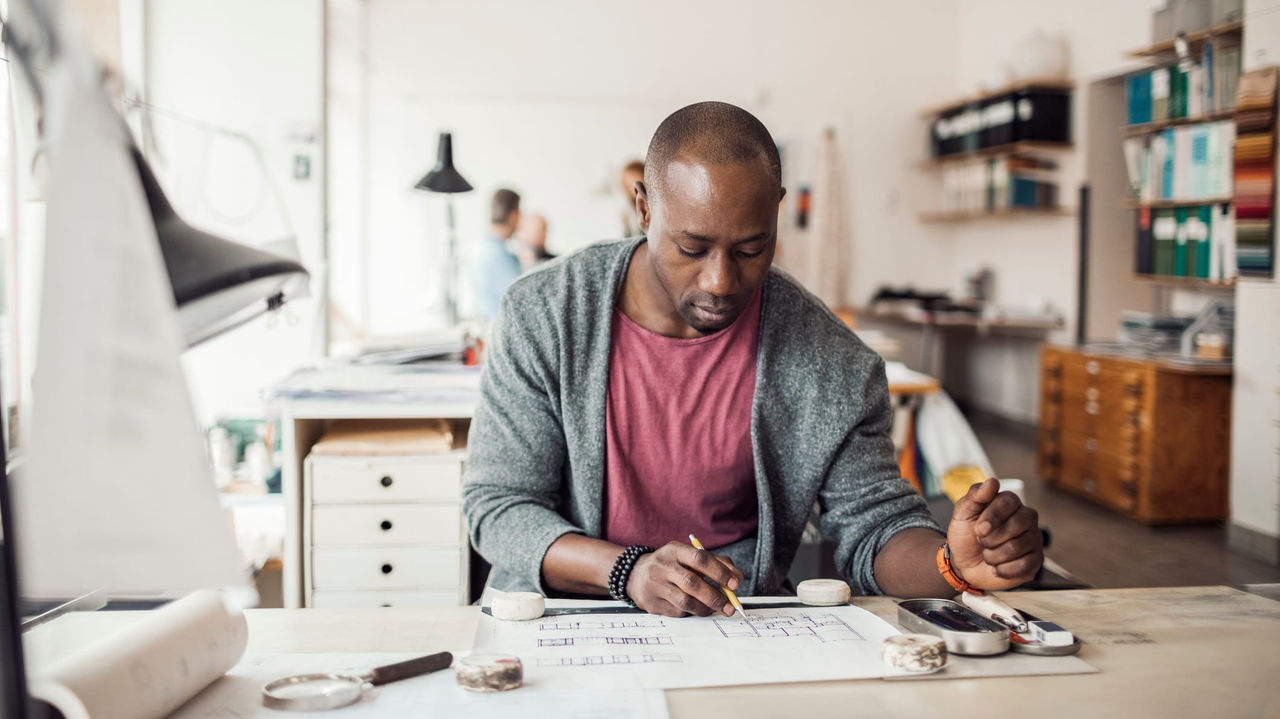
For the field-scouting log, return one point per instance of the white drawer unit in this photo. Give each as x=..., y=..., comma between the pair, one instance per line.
x=385, y=568
x=322, y=599
x=384, y=531
x=383, y=524
x=385, y=479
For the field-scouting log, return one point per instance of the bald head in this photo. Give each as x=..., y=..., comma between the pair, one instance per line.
x=714, y=133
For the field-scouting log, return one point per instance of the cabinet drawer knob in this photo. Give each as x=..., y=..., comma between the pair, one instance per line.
x=1091, y=407
x=385, y=604
x=385, y=524
x=1090, y=486
x=1091, y=394
x=386, y=568
x=1091, y=444
x=1093, y=367
x=386, y=481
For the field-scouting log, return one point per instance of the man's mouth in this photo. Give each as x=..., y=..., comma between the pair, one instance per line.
x=712, y=315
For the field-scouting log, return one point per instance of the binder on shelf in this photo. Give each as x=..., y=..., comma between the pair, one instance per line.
x=1138, y=97
x=1166, y=165
x=1198, y=171
x=1180, y=243
x=1160, y=94
x=1204, y=248
x=1143, y=260
x=1177, y=92
x=1164, y=230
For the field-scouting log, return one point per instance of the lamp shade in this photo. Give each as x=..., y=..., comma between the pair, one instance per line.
x=217, y=284
x=444, y=177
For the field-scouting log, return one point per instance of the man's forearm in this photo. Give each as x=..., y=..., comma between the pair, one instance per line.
x=907, y=565
x=579, y=565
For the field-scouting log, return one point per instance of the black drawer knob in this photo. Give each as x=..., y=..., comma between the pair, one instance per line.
x=386, y=568
x=385, y=481
x=386, y=525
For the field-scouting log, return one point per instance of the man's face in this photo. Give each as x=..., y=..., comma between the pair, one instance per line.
x=533, y=231
x=712, y=232
x=629, y=180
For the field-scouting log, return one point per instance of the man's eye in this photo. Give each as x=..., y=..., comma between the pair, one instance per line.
x=687, y=253
x=749, y=255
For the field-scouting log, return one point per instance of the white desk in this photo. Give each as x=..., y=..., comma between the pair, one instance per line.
x=1193, y=652
x=304, y=421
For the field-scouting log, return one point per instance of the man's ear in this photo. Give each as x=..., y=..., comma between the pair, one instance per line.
x=642, y=206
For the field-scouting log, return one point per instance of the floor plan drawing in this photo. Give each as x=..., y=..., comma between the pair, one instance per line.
x=824, y=627
x=600, y=660
x=627, y=649
x=588, y=641
x=573, y=626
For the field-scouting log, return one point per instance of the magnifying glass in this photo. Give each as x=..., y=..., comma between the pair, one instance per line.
x=314, y=692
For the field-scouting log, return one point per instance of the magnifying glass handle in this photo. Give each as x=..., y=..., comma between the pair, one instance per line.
x=411, y=668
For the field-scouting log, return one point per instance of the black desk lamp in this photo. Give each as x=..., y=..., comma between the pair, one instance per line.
x=445, y=178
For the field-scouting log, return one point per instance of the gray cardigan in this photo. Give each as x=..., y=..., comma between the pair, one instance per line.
x=819, y=429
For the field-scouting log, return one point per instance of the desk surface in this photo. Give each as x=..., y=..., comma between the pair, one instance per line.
x=1190, y=651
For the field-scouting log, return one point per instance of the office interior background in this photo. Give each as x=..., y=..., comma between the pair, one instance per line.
x=303, y=125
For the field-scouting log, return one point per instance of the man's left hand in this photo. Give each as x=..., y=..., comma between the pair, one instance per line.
x=995, y=540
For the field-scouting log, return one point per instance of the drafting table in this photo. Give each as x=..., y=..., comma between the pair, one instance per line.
x=1190, y=651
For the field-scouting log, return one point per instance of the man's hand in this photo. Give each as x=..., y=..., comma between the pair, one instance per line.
x=670, y=581
x=995, y=540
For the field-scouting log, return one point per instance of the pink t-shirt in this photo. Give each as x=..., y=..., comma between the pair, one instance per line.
x=678, y=457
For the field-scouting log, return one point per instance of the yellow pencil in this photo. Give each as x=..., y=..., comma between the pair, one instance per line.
x=733, y=598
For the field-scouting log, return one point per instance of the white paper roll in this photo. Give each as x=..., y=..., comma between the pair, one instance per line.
x=916, y=653
x=517, y=606
x=823, y=592
x=150, y=668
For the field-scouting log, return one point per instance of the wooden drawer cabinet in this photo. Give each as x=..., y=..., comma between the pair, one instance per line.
x=1135, y=435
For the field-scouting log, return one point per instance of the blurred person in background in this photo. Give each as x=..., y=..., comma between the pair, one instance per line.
x=495, y=267
x=632, y=173
x=532, y=234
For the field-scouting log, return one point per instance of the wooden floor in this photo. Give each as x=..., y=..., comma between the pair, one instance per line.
x=1104, y=549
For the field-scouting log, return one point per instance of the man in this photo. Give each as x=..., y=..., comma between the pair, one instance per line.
x=533, y=241
x=632, y=175
x=642, y=390
x=494, y=267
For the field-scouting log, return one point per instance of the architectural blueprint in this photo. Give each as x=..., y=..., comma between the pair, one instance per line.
x=623, y=650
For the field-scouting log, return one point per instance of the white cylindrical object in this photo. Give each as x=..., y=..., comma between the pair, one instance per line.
x=517, y=606
x=489, y=672
x=150, y=668
x=823, y=592
x=915, y=653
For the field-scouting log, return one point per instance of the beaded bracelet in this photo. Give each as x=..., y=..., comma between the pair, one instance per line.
x=621, y=571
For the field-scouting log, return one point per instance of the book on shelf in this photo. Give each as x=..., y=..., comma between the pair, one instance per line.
x=1185, y=163
x=1192, y=89
x=1195, y=242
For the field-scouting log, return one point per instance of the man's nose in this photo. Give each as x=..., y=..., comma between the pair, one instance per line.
x=720, y=276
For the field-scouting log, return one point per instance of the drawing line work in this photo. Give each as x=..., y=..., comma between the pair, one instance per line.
x=600, y=660
x=647, y=623
x=587, y=641
x=824, y=627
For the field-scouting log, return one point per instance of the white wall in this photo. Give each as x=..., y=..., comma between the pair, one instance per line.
x=550, y=99
x=253, y=68
x=1034, y=259
x=1255, y=400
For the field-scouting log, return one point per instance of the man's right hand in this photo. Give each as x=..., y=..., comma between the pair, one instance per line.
x=670, y=581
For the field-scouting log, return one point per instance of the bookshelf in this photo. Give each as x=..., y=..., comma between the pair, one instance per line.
x=1058, y=84
x=1183, y=282
x=1026, y=147
x=1161, y=204
x=1147, y=128
x=967, y=215
x=1193, y=39
x=994, y=151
